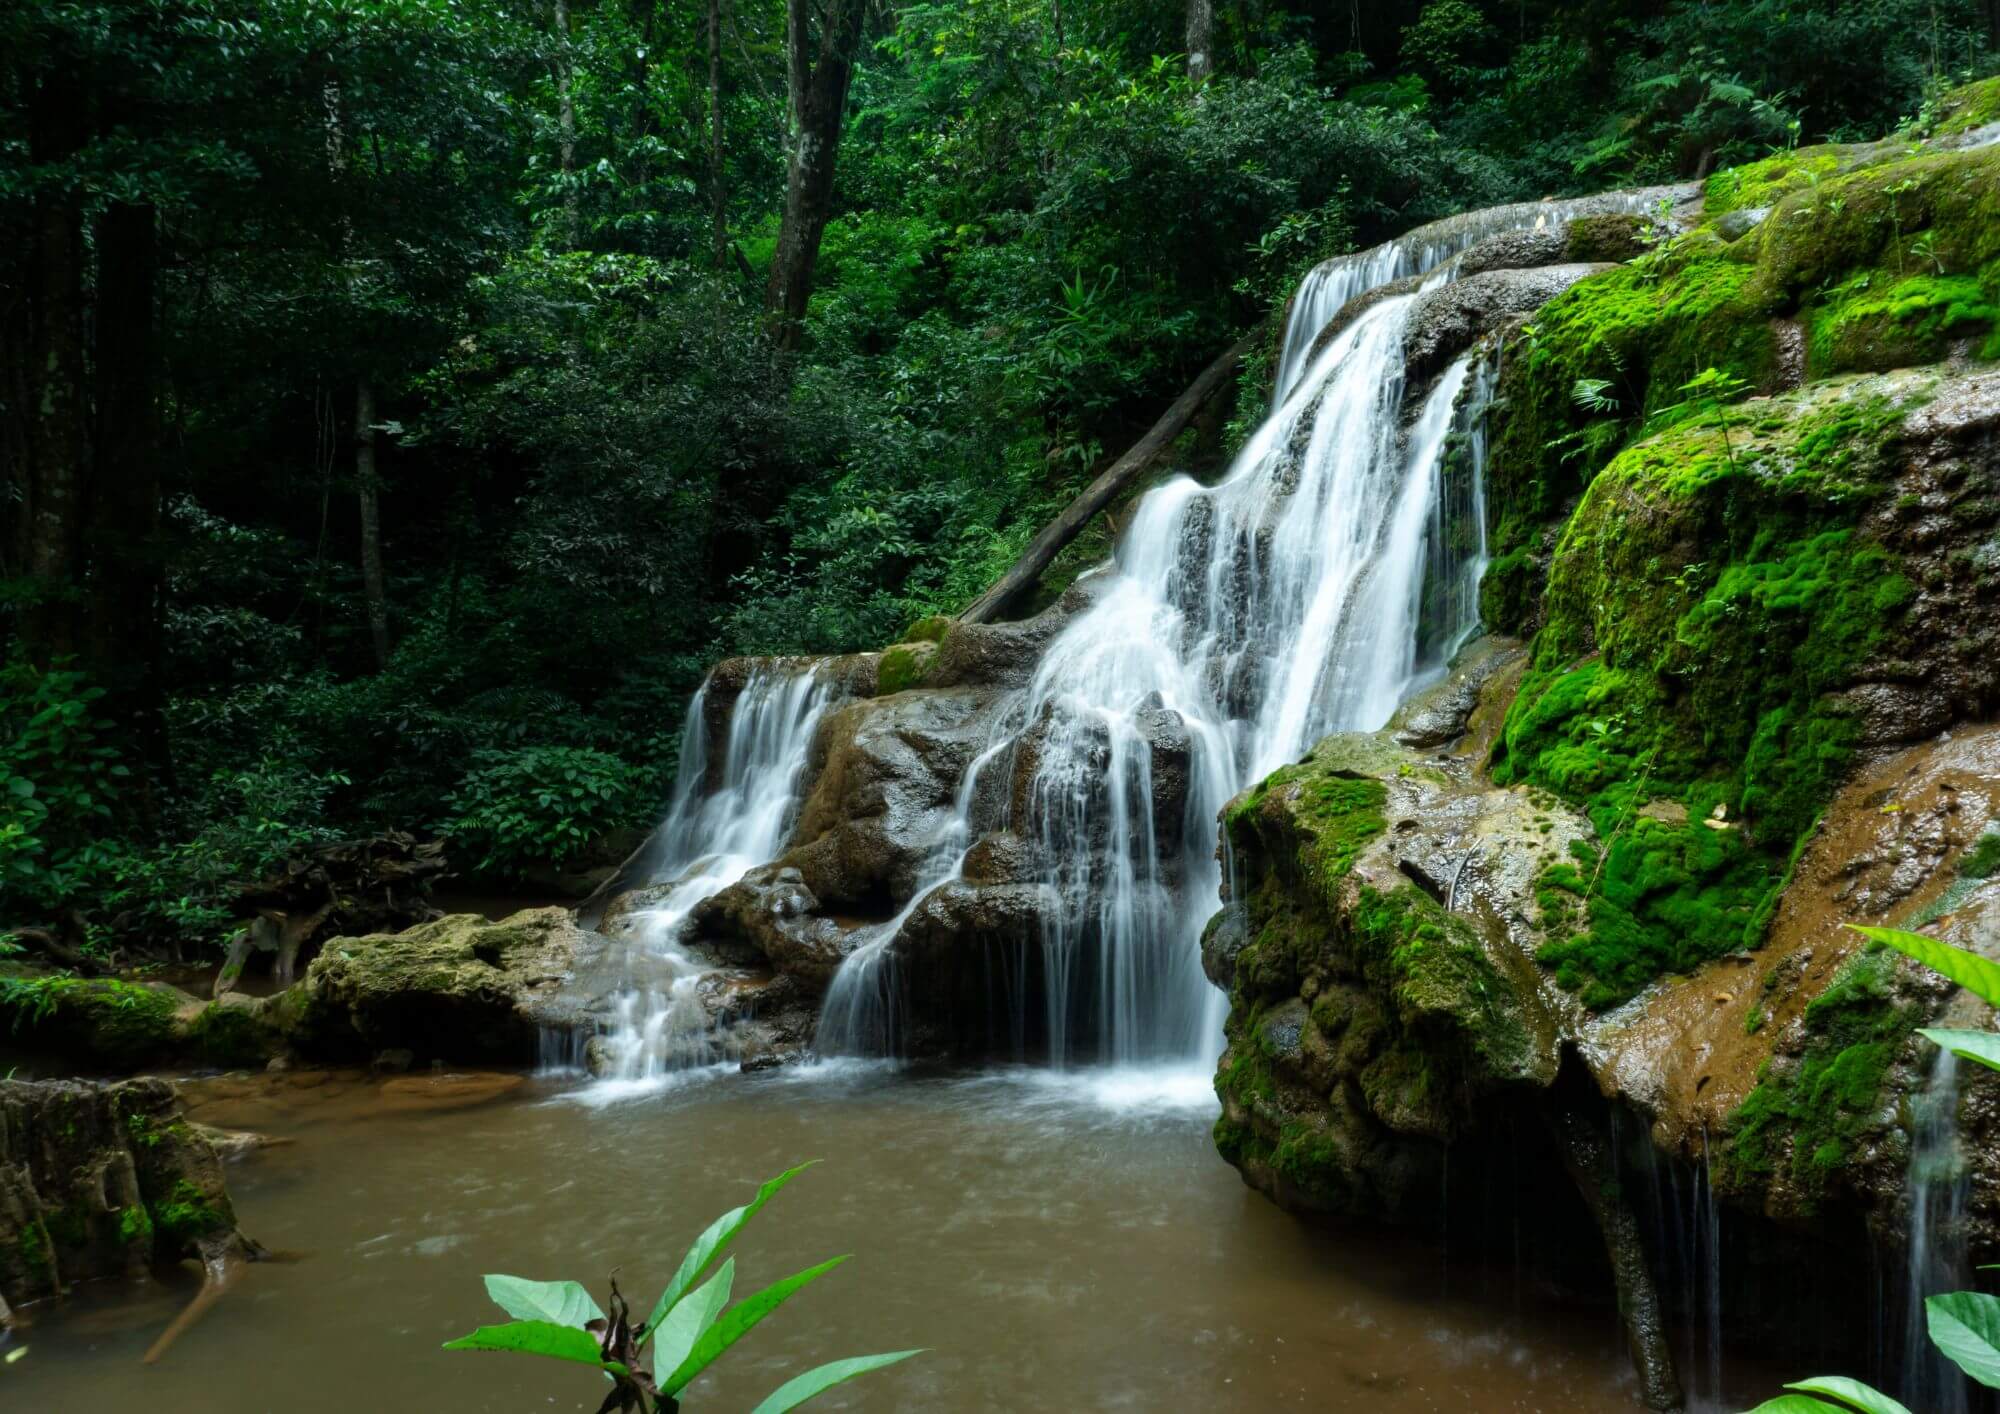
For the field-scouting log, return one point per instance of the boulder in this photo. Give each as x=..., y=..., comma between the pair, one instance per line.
x=881, y=801
x=459, y=988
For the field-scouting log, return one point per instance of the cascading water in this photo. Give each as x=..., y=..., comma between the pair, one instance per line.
x=711, y=838
x=1332, y=283
x=1935, y=1261
x=1303, y=594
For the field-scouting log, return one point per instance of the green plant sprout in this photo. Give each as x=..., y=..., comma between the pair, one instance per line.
x=690, y=1327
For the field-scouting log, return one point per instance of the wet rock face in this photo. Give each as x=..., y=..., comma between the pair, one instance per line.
x=884, y=794
x=1740, y=1059
x=103, y=1181
x=1447, y=321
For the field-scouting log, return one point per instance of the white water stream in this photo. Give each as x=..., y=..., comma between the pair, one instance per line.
x=1254, y=617
x=712, y=837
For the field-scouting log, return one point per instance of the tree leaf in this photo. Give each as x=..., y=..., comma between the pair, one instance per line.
x=1965, y=1325
x=1851, y=1392
x=1796, y=1404
x=565, y=1303
x=544, y=1338
x=797, y=1390
x=1980, y=1046
x=737, y=1322
x=1968, y=969
x=690, y=1319
x=711, y=1242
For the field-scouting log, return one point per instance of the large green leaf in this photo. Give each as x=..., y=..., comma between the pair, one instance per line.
x=544, y=1338
x=797, y=1390
x=1795, y=1404
x=564, y=1303
x=1968, y=969
x=711, y=1242
x=736, y=1323
x=1965, y=1325
x=690, y=1319
x=1851, y=1392
x=1980, y=1046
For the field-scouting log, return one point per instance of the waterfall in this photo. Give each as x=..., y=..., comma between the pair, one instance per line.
x=1332, y=283
x=727, y=817
x=1238, y=624
x=1331, y=571
x=1934, y=1264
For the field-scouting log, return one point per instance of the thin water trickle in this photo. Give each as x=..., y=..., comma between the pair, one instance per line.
x=1935, y=1261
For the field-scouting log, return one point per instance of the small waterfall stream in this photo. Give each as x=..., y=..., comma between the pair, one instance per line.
x=728, y=816
x=1252, y=618
x=1935, y=1261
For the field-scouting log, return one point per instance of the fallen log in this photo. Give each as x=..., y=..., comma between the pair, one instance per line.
x=1012, y=586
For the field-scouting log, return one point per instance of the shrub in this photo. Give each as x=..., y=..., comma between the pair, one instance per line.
x=543, y=804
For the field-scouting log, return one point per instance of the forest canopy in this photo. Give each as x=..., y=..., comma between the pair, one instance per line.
x=406, y=400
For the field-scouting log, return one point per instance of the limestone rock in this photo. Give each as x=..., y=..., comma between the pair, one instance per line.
x=460, y=988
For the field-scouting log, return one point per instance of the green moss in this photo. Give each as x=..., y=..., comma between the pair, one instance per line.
x=1764, y=183
x=1874, y=321
x=1510, y=591
x=1982, y=861
x=929, y=630
x=1938, y=212
x=230, y=1037
x=1972, y=106
x=98, y=1021
x=135, y=1226
x=902, y=668
x=1642, y=330
x=1805, y=1119
x=185, y=1217
x=1711, y=686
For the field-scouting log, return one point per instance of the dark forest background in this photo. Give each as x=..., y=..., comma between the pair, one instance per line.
x=405, y=400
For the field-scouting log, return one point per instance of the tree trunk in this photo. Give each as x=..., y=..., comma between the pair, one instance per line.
x=55, y=479
x=566, y=125
x=1012, y=586
x=818, y=99
x=366, y=486
x=128, y=565
x=718, y=197
x=1200, y=39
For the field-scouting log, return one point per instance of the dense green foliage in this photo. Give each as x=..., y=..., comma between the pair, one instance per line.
x=499, y=280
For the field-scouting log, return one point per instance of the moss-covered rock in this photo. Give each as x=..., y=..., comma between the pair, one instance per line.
x=904, y=666
x=460, y=988
x=1738, y=605
x=97, y=1023
x=1370, y=1008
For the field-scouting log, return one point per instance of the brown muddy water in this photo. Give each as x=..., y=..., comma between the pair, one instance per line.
x=1057, y=1244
